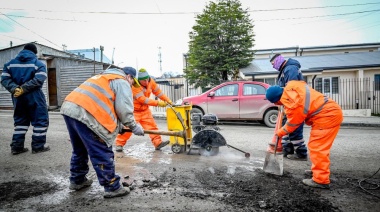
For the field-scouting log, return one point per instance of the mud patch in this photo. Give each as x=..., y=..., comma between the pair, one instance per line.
x=255, y=191
x=16, y=190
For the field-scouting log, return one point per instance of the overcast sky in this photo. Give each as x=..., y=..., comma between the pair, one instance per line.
x=133, y=30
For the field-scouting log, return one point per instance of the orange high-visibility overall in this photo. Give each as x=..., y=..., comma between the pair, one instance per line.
x=324, y=115
x=142, y=113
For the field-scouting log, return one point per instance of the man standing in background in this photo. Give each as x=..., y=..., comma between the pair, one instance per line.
x=23, y=77
x=294, y=144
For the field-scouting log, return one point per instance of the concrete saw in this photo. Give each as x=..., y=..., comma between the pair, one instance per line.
x=208, y=142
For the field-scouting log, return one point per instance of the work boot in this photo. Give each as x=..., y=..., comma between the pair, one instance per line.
x=121, y=191
x=16, y=152
x=162, y=144
x=311, y=183
x=296, y=157
x=43, y=149
x=119, y=148
x=308, y=172
x=78, y=187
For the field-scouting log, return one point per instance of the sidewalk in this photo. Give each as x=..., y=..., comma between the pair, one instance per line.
x=361, y=121
x=357, y=121
x=353, y=121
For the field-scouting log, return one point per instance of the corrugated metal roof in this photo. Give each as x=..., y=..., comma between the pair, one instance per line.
x=318, y=63
x=89, y=53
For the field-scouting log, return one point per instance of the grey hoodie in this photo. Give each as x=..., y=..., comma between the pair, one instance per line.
x=123, y=108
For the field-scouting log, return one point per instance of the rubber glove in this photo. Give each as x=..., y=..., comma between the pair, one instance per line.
x=18, y=92
x=138, y=130
x=161, y=104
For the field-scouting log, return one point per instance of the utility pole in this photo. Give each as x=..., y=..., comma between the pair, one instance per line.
x=113, y=52
x=186, y=57
x=159, y=59
x=101, y=53
x=94, y=59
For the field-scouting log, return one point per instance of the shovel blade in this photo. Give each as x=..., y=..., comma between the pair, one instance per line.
x=274, y=163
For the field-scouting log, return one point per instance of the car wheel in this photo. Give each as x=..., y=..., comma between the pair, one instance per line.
x=196, y=110
x=270, y=118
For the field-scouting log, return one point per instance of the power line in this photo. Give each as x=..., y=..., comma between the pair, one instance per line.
x=13, y=37
x=277, y=19
x=306, y=8
x=184, y=13
x=49, y=19
x=319, y=16
x=28, y=29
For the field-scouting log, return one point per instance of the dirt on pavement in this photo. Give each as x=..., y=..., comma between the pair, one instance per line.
x=163, y=181
x=185, y=186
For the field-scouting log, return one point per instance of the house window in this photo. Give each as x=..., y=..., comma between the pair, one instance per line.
x=273, y=81
x=327, y=85
x=270, y=81
x=377, y=82
x=259, y=80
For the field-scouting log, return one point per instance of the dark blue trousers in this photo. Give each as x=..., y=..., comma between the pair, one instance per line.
x=86, y=143
x=30, y=109
x=294, y=142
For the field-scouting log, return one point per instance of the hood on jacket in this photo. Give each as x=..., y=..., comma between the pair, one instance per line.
x=114, y=71
x=292, y=62
x=26, y=55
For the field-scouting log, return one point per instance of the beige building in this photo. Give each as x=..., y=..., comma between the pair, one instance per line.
x=350, y=74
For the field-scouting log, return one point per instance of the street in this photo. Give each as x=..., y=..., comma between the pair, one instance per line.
x=163, y=181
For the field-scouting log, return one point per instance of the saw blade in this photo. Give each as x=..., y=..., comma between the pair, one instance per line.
x=209, y=151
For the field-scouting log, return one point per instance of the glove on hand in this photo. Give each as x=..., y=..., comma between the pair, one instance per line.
x=161, y=104
x=280, y=134
x=18, y=92
x=138, y=130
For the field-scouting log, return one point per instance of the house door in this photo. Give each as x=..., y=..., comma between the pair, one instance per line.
x=52, y=86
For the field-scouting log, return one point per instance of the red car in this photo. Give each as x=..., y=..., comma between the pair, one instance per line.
x=237, y=100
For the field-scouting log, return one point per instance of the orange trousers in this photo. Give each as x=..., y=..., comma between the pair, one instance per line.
x=322, y=135
x=147, y=122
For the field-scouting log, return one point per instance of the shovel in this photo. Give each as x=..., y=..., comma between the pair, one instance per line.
x=274, y=161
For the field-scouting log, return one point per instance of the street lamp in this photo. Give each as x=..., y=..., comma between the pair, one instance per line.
x=185, y=57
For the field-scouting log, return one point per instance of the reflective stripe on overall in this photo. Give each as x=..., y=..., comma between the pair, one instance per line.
x=96, y=96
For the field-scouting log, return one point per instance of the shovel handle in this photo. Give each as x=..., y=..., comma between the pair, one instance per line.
x=275, y=146
x=277, y=127
x=158, y=132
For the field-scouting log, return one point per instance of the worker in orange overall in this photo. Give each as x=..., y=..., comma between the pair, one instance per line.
x=142, y=113
x=302, y=103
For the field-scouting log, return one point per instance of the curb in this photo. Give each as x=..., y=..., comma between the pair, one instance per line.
x=163, y=117
x=343, y=124
x=352, y=124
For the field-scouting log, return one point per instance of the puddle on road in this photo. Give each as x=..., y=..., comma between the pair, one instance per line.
x=145, y=154
x=236, y=159
x=130, y=166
